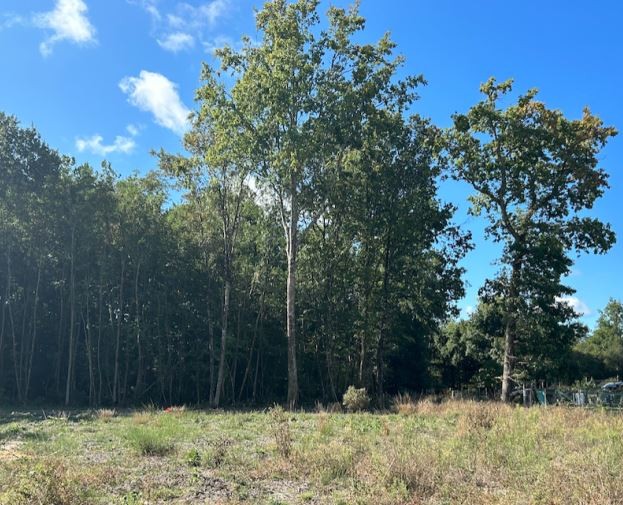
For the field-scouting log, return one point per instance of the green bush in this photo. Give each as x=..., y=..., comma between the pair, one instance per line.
x=150, y=441
x=355, y=399
x=193, y=458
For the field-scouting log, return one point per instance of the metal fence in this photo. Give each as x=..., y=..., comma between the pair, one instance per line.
x=530, y=395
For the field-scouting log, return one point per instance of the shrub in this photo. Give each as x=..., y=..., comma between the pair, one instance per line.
x=355, y=399
x=150, y=441
x=193, y=458
x=280, y=427
x=47, y=482
x=105, y=414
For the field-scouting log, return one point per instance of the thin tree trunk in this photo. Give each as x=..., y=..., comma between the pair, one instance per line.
x=510, y=330
x=59, y=340
x=211, y=351
x=235, y=359
x=292, y=243
x=12, y=324
x=252, y=347
x=380, y=348
x=139, y=372
x=257, y=369
x=34, y=333
x=23, y=346
x=2, y=327
x=89, y=348
x=115, y=383
x=72, y=315
x=99, y=339
x=224, y=324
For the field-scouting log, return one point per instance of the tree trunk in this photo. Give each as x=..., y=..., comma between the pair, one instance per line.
x=89, y=348
x=99, y=340
x=211, y=351
x=510, y=330
x=34, y=333
x=12, y=324
x=115, y=383
x=221, y=363
x=72, y=315
x=380, y=347
x=292, y=243
x=59, y=341
x=139, y=372
x=252, y=347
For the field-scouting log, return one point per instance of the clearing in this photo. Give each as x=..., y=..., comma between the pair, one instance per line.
x=425, y=453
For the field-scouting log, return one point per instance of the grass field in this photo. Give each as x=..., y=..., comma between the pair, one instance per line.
x=426, y=453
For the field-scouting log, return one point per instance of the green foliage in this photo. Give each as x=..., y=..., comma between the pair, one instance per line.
x=151, y=441
x=604, y=344
x=355, y=399
x=309, y=189
x=534, y=172
x=193, y=458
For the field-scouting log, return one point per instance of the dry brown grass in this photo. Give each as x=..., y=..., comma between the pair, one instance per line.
x=105, y=415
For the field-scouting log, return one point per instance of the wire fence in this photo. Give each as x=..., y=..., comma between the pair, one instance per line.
x=550, y=396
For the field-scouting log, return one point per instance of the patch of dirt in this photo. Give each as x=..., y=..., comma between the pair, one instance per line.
x=11, y=450
x=211, y=489
x=284, y=490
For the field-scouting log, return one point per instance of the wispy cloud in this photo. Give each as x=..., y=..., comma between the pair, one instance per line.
x=133, y=129
x=9, y=20
x=95, y=144
x=210, y=46
x=177, y=41
x=205, y=14
x=576, y=304
x=178, y=29
x=149, y=6
x=67, y=21
x=153, y=92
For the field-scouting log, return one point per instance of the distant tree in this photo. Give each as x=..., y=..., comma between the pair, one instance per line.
x=606, y=340
x=467, y=351
x=534, y=172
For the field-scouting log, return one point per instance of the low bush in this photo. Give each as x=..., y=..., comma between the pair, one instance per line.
x=150, y=441
x=355, y=399
x=280, y=427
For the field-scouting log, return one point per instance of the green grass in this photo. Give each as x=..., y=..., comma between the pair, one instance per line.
x=456, y=452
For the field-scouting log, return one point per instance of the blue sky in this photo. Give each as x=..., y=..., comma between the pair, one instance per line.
x=114, y=79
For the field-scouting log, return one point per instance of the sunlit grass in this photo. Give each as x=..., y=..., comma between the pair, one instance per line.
x=426, y=452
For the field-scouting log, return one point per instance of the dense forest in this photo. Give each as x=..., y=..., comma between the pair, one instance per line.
x=308, y=249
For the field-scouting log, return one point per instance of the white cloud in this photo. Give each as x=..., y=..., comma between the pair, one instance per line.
x=576, y=304
x=68, y=21
x=175, y=21
x=178, y=30
x=177, y=41
x=95, y=145
x=133, y=129
x=8, y=20
x=208, y=13
x=153, y=92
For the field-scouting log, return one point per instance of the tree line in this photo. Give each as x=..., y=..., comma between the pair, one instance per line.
x=310, y=249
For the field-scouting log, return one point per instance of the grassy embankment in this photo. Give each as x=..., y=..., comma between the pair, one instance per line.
x=456, y=452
